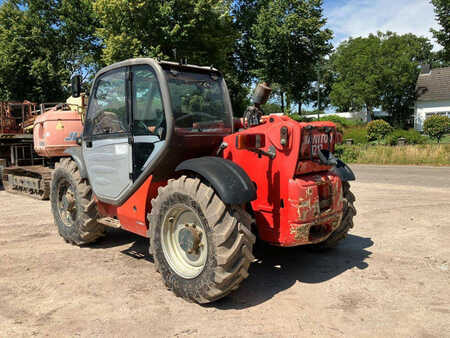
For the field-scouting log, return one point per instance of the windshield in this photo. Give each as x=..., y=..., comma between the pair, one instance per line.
x=198, y=102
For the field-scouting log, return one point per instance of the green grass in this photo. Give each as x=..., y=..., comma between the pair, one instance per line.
x=445, y=139
x=421, y=154
x=357, y=134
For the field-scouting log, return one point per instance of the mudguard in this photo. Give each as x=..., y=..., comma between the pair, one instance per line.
x=339, y=168
x=343, y=171
x=229, y=180
x=77, y=156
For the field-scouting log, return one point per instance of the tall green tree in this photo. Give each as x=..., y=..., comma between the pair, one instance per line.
x=401, y=56
x=379, y=71
x=202, y=31
x=42, y=43
x=442, y=10
x=245, y=14
x=30, y=65
x=289, y=38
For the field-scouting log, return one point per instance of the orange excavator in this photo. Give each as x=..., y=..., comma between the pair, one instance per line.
x=34, y=138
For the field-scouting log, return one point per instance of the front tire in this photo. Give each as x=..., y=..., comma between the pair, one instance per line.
x=73, y=205
x=201, y=247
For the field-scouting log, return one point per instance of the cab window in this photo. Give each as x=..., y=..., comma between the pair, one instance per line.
x=107, y=113
x=148, y=112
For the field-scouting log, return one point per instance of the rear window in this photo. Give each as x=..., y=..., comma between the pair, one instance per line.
x=198, y=102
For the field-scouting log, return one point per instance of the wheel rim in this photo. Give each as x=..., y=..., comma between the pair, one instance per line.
x=184, y=242
x=66, y=204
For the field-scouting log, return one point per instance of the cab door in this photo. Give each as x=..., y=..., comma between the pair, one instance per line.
x=148, y=123
x=106, y=144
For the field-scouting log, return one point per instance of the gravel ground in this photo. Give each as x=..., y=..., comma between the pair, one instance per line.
x=390, y=277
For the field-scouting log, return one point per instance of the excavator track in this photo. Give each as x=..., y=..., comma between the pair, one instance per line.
x=32, y=181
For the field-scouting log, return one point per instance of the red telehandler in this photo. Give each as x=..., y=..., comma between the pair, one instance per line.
x=160, y=157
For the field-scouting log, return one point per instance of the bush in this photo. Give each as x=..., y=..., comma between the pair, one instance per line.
x=300, y=118
x=436, y=126
x=378, y=129
x=412, y=137
x=348, y=154
x=357, y=134
x=336, y=119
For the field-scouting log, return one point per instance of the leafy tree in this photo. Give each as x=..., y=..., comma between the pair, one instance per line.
x=201, y=31
x=442, y=10
x=437, y=126
x=326, y=77
x=357, y=77
x=271, y=108
x=31, y=66
x=41, y=44
x=77, y=24
x=245, y=14
x=399, y=68
x=289, y=38
x=379, y=71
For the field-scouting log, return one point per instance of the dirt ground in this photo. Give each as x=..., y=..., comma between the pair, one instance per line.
x=390, y=277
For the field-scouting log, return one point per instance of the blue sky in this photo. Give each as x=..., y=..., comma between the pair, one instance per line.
x=360, y=17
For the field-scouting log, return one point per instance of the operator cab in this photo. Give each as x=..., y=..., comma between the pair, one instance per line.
x=145, y=117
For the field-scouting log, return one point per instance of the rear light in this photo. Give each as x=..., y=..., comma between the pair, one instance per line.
x=250, y=141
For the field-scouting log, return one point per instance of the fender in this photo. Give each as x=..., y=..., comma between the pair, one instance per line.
x=229, y=180
x=338, y=168
x=77, y=156
x=343, y=171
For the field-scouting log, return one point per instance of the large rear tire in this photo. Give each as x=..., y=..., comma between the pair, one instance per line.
x=201, y=247
x=349, y=211
x=73, y=205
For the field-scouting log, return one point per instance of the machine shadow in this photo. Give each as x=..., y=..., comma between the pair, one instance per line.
x=139, y=248
x=277, y=269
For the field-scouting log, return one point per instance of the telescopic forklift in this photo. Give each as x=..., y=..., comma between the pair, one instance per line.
x=161, y=156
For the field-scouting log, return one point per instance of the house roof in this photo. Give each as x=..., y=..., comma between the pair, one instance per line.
x=434, y=85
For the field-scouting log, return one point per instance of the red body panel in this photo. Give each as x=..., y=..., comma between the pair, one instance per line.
x=287, y=203
x=132, y=215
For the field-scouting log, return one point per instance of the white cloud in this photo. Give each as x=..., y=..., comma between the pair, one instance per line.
x=362, y=17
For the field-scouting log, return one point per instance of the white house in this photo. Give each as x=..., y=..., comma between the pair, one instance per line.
x=433, y=95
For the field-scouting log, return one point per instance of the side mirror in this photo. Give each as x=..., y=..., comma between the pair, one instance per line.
x=76, y=86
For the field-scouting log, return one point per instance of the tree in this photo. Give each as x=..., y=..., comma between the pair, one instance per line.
x=201, y=31
x=31, y=66
x=42, y=43
x=399, y=63
x=442, y=10
x=289, y=38
x=245, y=14
x=436, y=126
x=379, y=71
x=357, y=78
x=76, y=25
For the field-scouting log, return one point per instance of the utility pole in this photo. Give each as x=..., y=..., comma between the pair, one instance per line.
x=318, y=92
